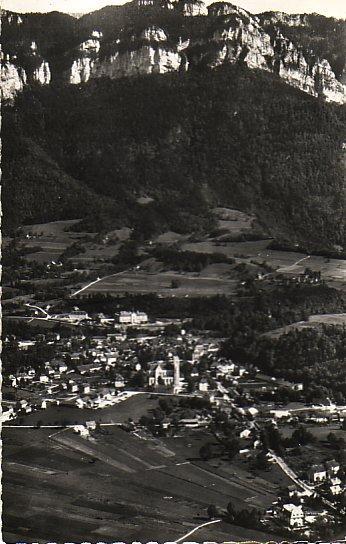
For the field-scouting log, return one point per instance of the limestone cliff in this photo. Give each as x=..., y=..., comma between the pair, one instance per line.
x=192, y=8
x=189, y=36
x=146, y=60
x=142, y=54
x=243, y=40
x=13, y=80
x=42, y=74
x=289, y=19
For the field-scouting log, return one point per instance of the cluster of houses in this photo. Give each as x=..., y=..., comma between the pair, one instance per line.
x=314, y=415
x=96, y=371
x=327, y=475
x=90, y=371
x=299, y=517
x=293, y=509
x=312, y=277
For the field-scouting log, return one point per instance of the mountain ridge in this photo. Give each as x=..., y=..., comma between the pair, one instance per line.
x=160, y=36
x=189, y=138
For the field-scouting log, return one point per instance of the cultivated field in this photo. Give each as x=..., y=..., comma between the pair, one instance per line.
x=287, y=262
x=52, y=239
x=207, y=283
x=115, y=488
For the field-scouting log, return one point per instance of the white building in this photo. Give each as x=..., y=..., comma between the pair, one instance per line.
x=119, y=381
x=317, y=474
x=80, y=429
x=160, y=374
x=133, y=318
x=203, y=385
x=294, y=515
x=335, y=486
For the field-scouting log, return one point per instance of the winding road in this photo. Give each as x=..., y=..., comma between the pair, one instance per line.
x=196, y=529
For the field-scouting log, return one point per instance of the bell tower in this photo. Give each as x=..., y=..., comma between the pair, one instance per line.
x=176, y=374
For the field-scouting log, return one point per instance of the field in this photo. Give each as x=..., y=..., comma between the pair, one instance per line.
x=314, y=321
x=133, y=408
x=319, y=431
x=212, y=280
x=116, y=487
x=320, y=450
x=288, y=262
x=49, y=240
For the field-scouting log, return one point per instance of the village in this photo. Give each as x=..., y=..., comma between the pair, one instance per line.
x=257, y=420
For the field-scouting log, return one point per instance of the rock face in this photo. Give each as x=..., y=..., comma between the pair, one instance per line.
x=153, y=34
x=81, y=70
x=244, y=41
x=224, y=34
x=274, y=17
x=192, y=8
x=42, y=74
x=326, y=85
x=13, y=80
x=26, y=67
x=91, y=45
x=219, y=9
x=147, y=53
x=143, y=61
x=239, y=37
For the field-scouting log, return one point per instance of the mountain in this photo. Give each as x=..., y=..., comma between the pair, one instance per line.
x=157, y=111
x=36, y=189
x=160, y=36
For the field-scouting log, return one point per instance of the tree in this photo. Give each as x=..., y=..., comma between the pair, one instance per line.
x=230, y=510
x=262, y=462
x=212, y=511
x=302, y=437
x=335, y=441
x=206, y=452
x=232, y=447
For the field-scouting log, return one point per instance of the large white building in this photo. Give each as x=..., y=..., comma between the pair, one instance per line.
x=133, y=318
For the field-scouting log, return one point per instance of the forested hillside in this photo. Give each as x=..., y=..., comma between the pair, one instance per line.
x=238, y=138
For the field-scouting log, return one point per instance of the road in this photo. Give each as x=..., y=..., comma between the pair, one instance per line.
x=292, y=266
x=291, y=474
x=98, y=280
x=38, y=308
x=61, y=427
x=196, y=529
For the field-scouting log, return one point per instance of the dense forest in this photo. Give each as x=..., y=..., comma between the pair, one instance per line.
x=239, y=138
x=316, y=357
